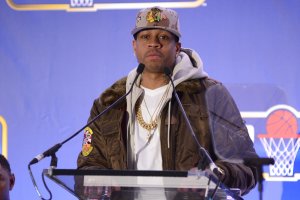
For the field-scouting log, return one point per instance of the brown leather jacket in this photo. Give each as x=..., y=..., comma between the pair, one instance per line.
x=109, y=144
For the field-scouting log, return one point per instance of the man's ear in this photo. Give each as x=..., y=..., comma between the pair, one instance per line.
x=134, y=47
x=11, y=181
x=178, y=47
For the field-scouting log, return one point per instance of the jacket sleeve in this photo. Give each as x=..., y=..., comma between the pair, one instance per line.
x=231, y=141
x=92, y=156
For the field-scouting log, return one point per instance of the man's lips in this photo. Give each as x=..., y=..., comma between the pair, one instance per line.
x=153, y=54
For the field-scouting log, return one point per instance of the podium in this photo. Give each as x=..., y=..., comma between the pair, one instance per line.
x=140, y=185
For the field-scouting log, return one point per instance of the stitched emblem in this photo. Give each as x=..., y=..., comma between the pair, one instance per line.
x=87, y=142
x=155, y=15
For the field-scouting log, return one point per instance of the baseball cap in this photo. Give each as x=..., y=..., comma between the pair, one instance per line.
x=157, y=18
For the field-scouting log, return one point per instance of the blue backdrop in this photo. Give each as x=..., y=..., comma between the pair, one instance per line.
x=54, y=61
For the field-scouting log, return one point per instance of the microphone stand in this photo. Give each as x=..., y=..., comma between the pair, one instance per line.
x=207, y=159
x=51, y=151
x=259, y=163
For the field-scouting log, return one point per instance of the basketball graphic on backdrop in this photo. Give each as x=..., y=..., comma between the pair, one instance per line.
x=282, y=123
x=281, y=141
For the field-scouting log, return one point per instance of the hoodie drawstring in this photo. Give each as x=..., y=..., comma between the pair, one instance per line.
x=169, y=122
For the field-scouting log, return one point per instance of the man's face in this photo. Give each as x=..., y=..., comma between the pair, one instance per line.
x=156, y=49
x=7, y=181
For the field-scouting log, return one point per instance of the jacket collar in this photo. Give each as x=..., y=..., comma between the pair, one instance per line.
x=118, y=89
x=110, y=95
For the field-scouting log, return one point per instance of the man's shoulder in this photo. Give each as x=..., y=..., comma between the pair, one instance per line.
x=194, y=85
x=207, y=81
x=115, y=91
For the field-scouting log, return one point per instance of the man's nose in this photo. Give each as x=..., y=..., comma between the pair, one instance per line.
x=154, y=43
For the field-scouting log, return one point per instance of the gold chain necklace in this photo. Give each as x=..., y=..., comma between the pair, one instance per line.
x=153, y=122
x=148, y=126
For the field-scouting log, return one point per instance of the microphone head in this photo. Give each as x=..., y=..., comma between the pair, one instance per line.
x=140, y=68
x=167, y=71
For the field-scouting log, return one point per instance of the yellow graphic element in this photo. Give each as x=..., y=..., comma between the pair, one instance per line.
x=86, y=149
x=4, y=136
x=101, y=6
x=294, y=178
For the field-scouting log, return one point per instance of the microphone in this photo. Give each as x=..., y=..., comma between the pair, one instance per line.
x=51, y=151
x=212, y=166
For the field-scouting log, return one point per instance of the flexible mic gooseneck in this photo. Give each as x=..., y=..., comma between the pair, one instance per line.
x=51, y=151
x=212, y=166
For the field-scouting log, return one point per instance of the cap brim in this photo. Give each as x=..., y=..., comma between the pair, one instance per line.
x=136, y=30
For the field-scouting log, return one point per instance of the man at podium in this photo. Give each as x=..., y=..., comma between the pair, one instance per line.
x=148, y=131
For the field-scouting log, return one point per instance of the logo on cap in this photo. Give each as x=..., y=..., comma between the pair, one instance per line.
x=155, y=15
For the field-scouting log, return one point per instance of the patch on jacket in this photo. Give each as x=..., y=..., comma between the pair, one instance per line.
x=87, y=142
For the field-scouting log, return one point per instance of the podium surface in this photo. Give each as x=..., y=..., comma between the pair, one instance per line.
x=140, y=185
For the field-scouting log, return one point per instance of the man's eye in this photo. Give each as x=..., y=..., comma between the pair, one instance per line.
x=163, y=37
x=144, y=37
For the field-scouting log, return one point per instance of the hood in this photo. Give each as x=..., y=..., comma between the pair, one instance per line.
x=188, y=66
